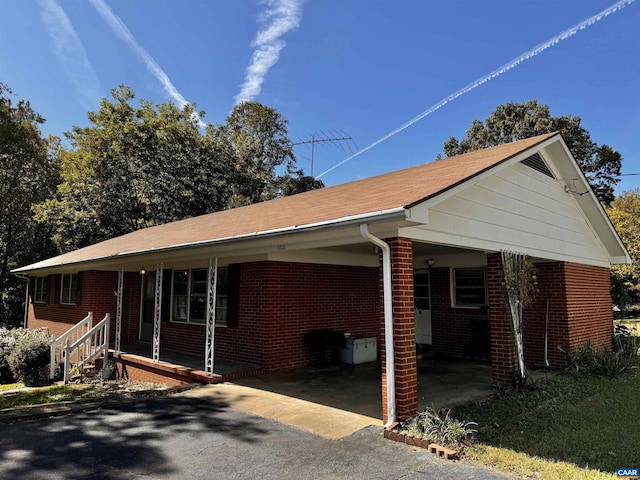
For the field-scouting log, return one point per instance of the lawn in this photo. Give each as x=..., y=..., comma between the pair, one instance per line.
x=123, y=389
x=52, y=394
x=567, y=428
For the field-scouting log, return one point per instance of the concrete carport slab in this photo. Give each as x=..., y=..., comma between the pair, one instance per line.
x=328, y=422
x=337, y=402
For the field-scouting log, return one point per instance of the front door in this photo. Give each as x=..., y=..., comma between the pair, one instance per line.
x=422, y=307
x=148, y=306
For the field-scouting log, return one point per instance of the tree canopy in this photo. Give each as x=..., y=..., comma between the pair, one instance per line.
x=255, y=138
x=137, y=166
x=516, y=121
x=28, y=174
x=624, y=213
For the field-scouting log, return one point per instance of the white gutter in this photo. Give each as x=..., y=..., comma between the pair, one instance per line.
x=388, y=323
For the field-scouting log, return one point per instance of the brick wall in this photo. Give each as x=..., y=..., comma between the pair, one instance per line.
x=96, y=293
x=551, y=288
x=579, y=310
x=503, y=351
x=589, y=306
x=58, y=318
x=457, y=332
x=304, y=297
x=578, y=301
x=278, y=303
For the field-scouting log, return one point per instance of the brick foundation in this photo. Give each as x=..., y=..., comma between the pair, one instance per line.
x=142, y=369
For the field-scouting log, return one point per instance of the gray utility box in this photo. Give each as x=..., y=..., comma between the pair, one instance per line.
x=359, y=350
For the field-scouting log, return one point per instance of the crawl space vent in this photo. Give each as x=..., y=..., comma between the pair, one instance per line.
x=536, y=162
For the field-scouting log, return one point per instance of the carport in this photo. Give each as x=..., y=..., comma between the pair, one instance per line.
x=442, y=383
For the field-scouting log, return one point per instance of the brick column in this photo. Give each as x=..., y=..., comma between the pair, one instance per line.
x=403, y=331
x=504, y=360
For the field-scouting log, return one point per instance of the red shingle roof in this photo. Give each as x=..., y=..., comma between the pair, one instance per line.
x=384, y=192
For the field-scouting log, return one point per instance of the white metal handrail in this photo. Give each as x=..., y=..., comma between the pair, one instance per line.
x=88, y=346
x=71, y=335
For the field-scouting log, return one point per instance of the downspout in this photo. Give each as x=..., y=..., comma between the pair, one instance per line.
x=388, y=322
x=26, y=298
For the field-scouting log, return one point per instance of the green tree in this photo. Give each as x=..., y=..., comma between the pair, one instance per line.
x=296, y=182
x=624, y=213
x=133, y=167
x=516, y=121
x=28, y=174
x=137, y=166
x=256, y=138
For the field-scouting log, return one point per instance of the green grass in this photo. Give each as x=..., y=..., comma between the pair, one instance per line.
x=568, y=428
x=51, y=394
x=10, y=386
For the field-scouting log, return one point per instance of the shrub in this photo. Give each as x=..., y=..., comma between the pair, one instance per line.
x=8, y=340
x=440, y=427
x=29, y=360
x=624, y=356
x=626, y=341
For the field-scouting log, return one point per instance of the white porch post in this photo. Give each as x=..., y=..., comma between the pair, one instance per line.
x=157, y=313
x=119, y=309
x=212, y=288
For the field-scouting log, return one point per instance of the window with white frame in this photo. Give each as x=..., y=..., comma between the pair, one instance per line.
x=41, y=290
x=189, y=296
x=68, y=289
x=469, y=287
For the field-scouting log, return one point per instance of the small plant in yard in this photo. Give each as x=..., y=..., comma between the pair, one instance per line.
x=626, y=340
x=29, y=359
x=440, y=427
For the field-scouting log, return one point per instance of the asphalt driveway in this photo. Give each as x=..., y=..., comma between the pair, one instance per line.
x=190, y=438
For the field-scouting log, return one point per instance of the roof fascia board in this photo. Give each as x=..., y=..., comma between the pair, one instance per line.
x=384, y=222
x=594, y=200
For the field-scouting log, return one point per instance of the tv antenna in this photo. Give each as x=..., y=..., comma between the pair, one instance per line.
x=331, y=137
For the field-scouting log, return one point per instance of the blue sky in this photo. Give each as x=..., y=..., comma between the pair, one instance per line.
x=358, y=67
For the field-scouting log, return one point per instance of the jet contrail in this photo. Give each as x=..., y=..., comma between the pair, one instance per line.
x=70, y=51
x=281, y=17
x=123, y=32
x=496, y=73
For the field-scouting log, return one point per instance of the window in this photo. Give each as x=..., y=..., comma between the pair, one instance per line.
x=69, y=289
x=41, y=292
x=189, y=296
x=469, y=287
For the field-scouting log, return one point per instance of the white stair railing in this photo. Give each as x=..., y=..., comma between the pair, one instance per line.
x=70, y=336
x=87, y=347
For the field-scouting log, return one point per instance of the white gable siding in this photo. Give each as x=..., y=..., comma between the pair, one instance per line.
x=519, y=209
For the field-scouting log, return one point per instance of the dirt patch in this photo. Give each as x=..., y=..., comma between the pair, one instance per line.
x=124, y=388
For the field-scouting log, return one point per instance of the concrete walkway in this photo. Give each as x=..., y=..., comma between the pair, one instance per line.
x=319, y=419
